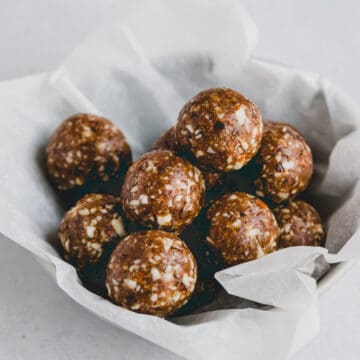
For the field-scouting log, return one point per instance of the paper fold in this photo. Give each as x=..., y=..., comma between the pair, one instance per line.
x=138, y=70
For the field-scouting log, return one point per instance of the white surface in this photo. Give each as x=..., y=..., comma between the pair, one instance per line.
x=55, y=327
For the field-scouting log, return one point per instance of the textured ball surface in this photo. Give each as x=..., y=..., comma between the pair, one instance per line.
x=241, y=227
x=285, y=161
x=162, y=191
x=151, y=272
x=300, y=224
x=93, y=224
x=86, y=148
x=220, y=129
x=167, y=141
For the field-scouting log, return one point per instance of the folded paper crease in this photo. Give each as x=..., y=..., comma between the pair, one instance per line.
x=138, y=71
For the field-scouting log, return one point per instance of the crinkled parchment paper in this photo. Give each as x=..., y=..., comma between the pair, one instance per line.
x=138, y=70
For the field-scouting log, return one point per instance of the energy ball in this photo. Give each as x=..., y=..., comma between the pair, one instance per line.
x=242, y=228
x=220, y=129
x=167, y=141
x=285, y=163
x=86, y=148
x=300, y=224
x=162, y=191
x=92, y=226
x=151, y=272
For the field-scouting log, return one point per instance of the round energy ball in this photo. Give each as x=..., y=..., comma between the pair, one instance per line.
x=162, y=191
x=300, y=224
x=92, y=226
x=285, y=162
x=151, y=272
x=242, y=228
x=167, y=141
x=86, y=148
x=220, y=129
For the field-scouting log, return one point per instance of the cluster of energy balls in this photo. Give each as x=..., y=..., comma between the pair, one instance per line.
x=175, y=217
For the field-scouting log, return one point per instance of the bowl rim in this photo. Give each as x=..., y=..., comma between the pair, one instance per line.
x=333, y=276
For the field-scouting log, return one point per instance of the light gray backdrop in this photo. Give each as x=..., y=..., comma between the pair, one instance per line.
x=38, y=321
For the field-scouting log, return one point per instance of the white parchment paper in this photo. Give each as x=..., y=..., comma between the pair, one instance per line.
x=138, y=70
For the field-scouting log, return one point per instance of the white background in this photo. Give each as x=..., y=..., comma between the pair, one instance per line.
x=38, y=321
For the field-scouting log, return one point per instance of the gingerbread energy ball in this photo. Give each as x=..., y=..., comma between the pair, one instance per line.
x=93, y=225
x=167, y=141
x=300, y=224
x=220, y=129
x=151, y=272
x=286, y=163
x=86, y=148
x=242, y=228
x=162, y=191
